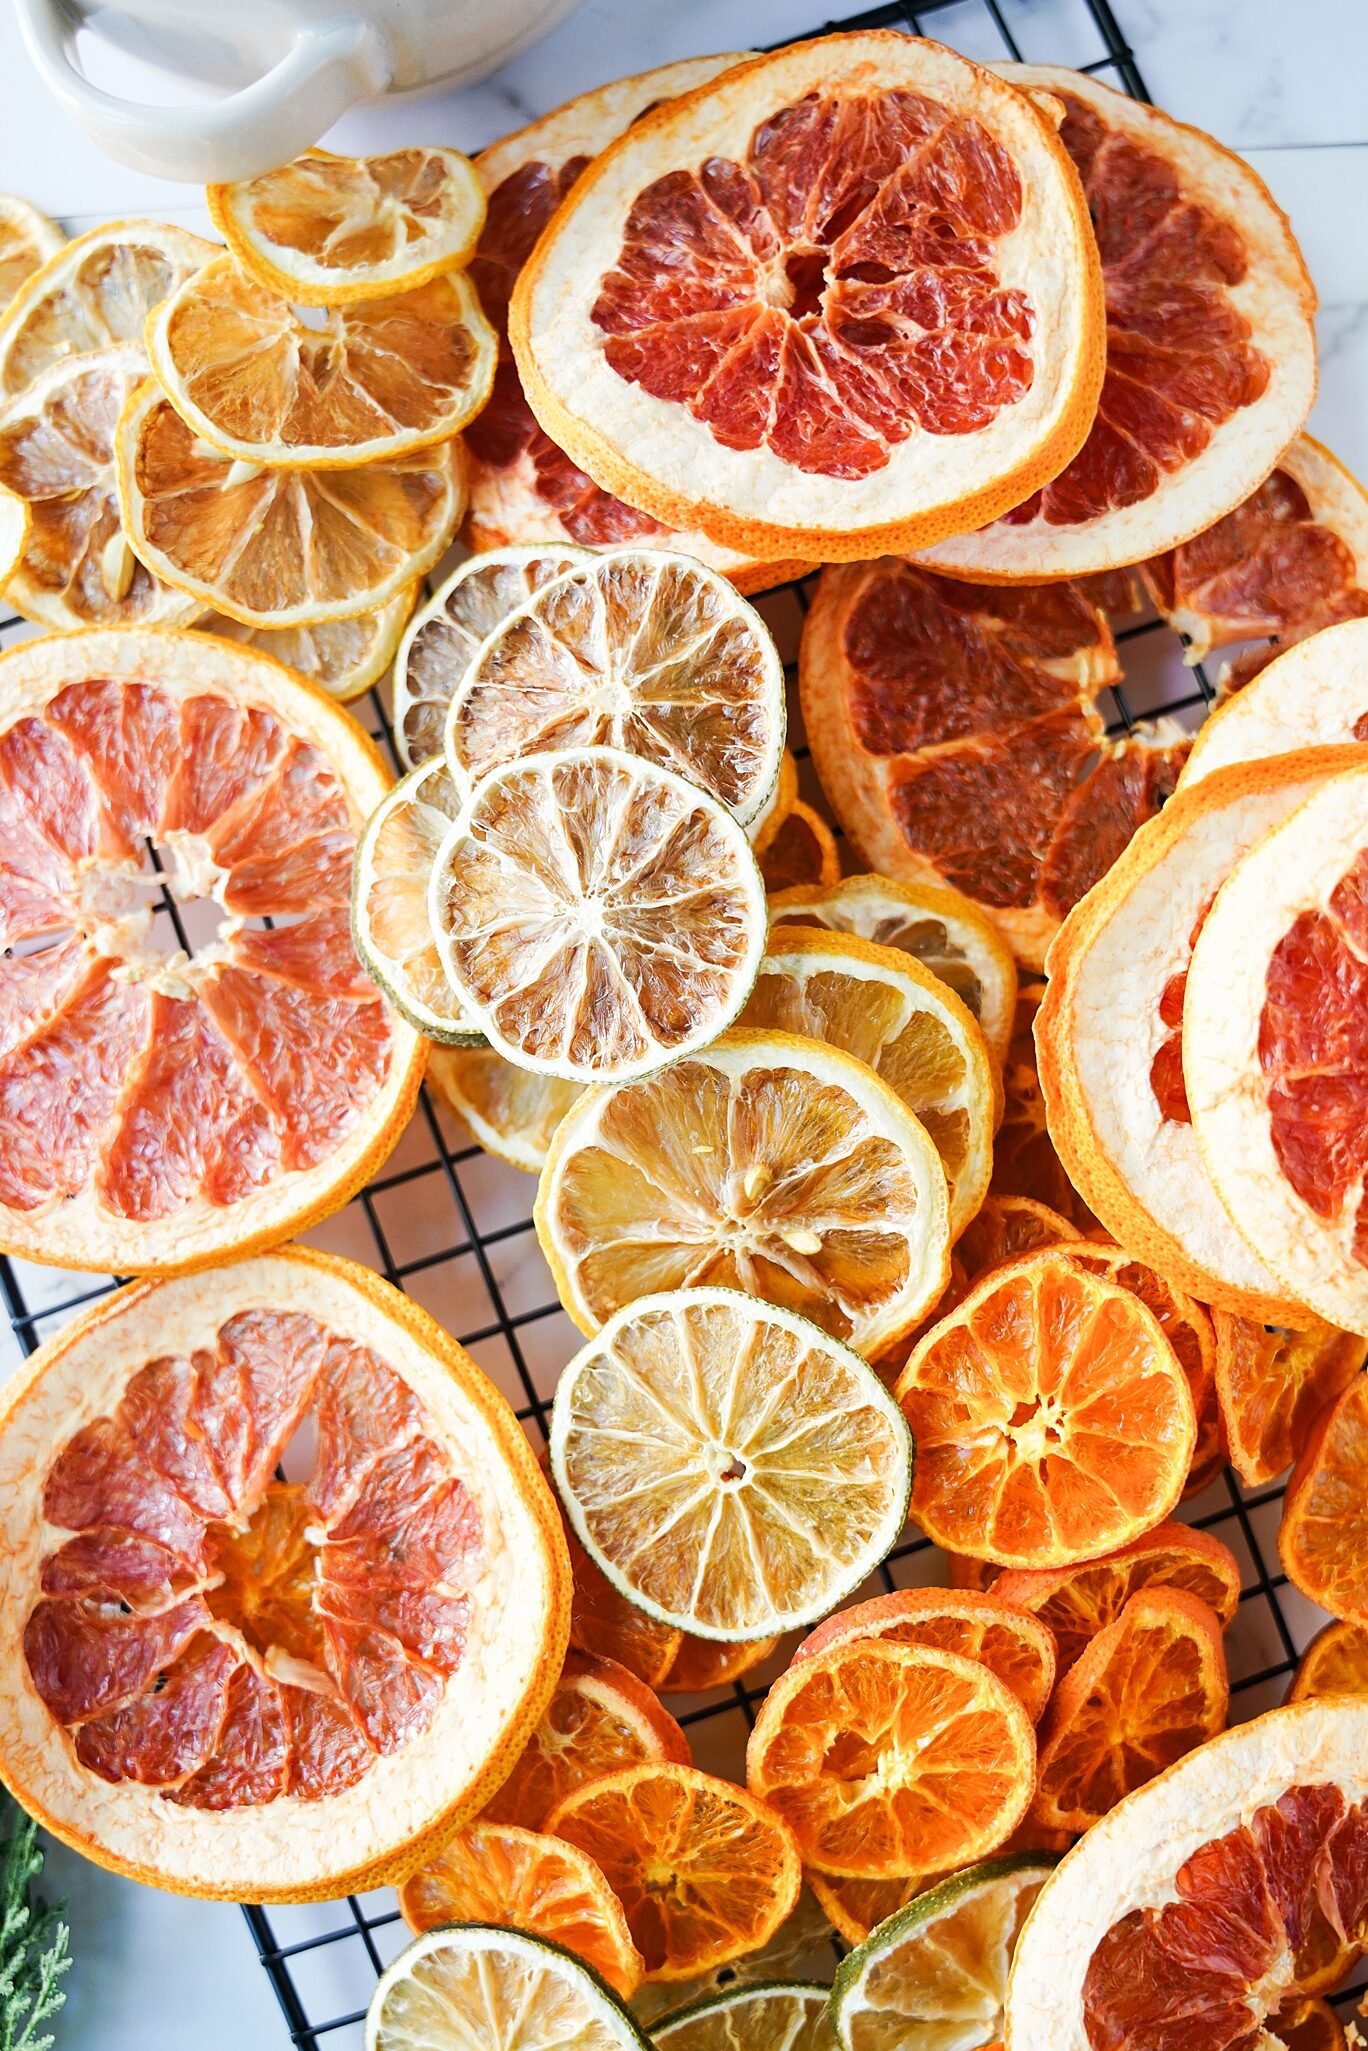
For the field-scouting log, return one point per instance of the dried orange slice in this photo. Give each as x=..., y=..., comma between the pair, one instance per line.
x=1274, y=1058
x=940, y=928
x=389, y=904
x=1150, y=1687
x=27, y=240
x=887, y=1759
x=1321, y=1540
x=1051, y=1415
x=900, y=1020
x=702, y=299
x=1311, y=696
x=473, y=1983
x=604, y=1625
x=279, y=548
x=380, y=378
x=343, y=657
x=326, y=230
x=855, y=1908
x=170, y=1097
x=243, y=1686
x=703, y=1663
x=781, y=2015
x=516, y=1879
x=1079, y=1601
x=600, y=1719
x=955, y=730
x=1018, y=1648
x=1112, y=1035
x=767, y=1163
x=1004, y=1227
x=802, y=854
x=1211, y=363
x=1334, y=1663
x=76, y=568
x=1025, y=1163
x=763, y=829
x=93, y=293
x=704, y=1871
x=1273, y=1384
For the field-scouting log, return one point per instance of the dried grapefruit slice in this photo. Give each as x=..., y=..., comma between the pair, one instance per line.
x=1182, y=1918
x=786, y=295
x=729, y=1468
x=27, y=240
x=279, y=548
x=170, y=1098
x=1321, y=1540
x=1211, y=357
x=1274, y=1056
x=325, y=230
x=780, y=2015
x=1016, y=1647
x=511, y=1112
x=93, y=293
x=802, y=854
x=343, y=657
x=601, y=1719
x=243, y=1686
x=705, y=1872
x=1147, y=1689
x=467, y=1984
x=1111, y=1034
x=1313, y=696
x=955, y=732
x=380, y=378
x=499, y=1874
x=767, y=1163
x=1272, y=1385
x=888, y=1759
x=1006, y=1226
x=1334, y=1663
x=389, y=903
x=596, y=914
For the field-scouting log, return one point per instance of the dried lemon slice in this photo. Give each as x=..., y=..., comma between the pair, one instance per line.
x=343, y=657
x=27, y=240
x=394, y=859
x=92, y=293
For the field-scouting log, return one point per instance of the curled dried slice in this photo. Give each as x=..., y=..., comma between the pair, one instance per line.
x=472, y=1984
x=802, y=854
x=1324, y=1529
x=511, y=1112
x=1313, y=696
x=601, y=1719
x=27, y=240
x=343, y=657
x=1016, y=1647
x=390, y=924
x=1334, y=1663
x=1273, y=1384
x=93, y=293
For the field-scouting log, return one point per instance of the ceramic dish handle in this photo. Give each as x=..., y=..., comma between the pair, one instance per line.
x=327, y=69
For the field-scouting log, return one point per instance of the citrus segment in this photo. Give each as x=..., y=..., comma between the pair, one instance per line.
x=596, y=914
x=729, y=1468
x=888, y=1759
x=93, y=293
x=767, y=1163
x=600, y=1719
x=1025, y=1163
x=379, y=378
x=704, y=1871
x=326, y=230
x=781, y=2017
x=1017, y=1648
x=1004, y=1227
x=394, y=858
x=1052, y=1418
x=704, y=1663
x=1334, y=1663
x=1272, y=1385
x=343, y=657
x=1324, y=1528
x=27, y=240
x=495, y=1873
x=803, y=853
x=246, y=1686
x=511, y=1112
x=471, y=1984
x=1311, y=696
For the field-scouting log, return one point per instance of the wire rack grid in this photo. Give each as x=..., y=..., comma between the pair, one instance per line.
x=452, y=1226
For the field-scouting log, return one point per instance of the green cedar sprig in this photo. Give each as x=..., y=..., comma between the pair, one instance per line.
x=33, y=1940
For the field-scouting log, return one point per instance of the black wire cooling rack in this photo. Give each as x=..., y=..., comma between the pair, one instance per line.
x=453, y=1227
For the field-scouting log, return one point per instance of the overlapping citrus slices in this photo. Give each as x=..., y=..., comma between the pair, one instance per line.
x=93, y=293
x=1015, y=1646
x=1025, y=1162
x=600, y=1719
x=1311, y=696
x=480, y=1984
x=1272, y=1385
x=27, y=240
x=1076, y=1602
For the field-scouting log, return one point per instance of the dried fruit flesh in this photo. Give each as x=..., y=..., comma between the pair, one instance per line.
x=1273, y=1384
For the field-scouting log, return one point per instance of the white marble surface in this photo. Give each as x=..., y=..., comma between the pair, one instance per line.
x=1280, y=80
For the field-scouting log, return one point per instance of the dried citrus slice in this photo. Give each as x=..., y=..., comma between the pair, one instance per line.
x=704, y=1663
x=1004, y=1227
x=888, y=1759
x=170, y=1096
x=1112, y=1039
x=15, y=526
x=1321, y=1540
x=378, y=379
x=767, y=1163
x=1313, y=696
x=955, y=731
x=934, y=1976
x=279, y=548
x=1185, y=1915
x=511, y=1112
x=446, y=632
x=326, y=230
x=902, y=1022
x=499, y=1874
x=1148, y=1688
x=704, y=1871
x=763, y=830
x=634, y=648
x=57, y=454
x=1025, y=1163
x=855, y=1908
x=394, y=858
x=1051, y=1415
x=803, y=853
x=603, y=1624
x=703, y=298
x=780, y=2015
x=1334, y=1663
x=732, y=1470
x=343, y=657
x=27, y=240
x=1274, y=1057
x=243, y=1686
x=93, y=293
x=1309, y=2026
x=596, y=914
x=942, y=929
x=1211, y=361
x=600, y=1719
x=467, y=1984
x=1273, y=1384
x=1079, y=1601
x=1016, y=1647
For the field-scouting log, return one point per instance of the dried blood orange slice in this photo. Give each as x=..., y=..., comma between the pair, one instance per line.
x=243, y=1686
x=843, y=298
x=1321, y=1540
x=172, y=1096
x=94, y=293
x=1016, y=1647
x=27, y=240
x=1025, y=1163
x=1272, y=1385
x=601, y=1719
x=955, y=731
x=1184, y=1919
x=1275, y=1058
x=1079, y=1601
x=1316, y=695
x=1211, y=359
x=1334, y=1663
x=1111, y=1036
x=803, y=853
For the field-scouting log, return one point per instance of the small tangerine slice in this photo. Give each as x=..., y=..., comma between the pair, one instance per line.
x=605, y=1625
x=704, y=1871
x=1334, y=1663
x=519, y=1880
x=889, y=1759
x=600, y=1720
x=1272, y=1385
x=803, y=852
x=1323, y=1537
x=704, y=1663
x=1016, y=1647
x=1149, y=1688
x=1052, y=1417
x=1079, y=1601
x=1007, y=1226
